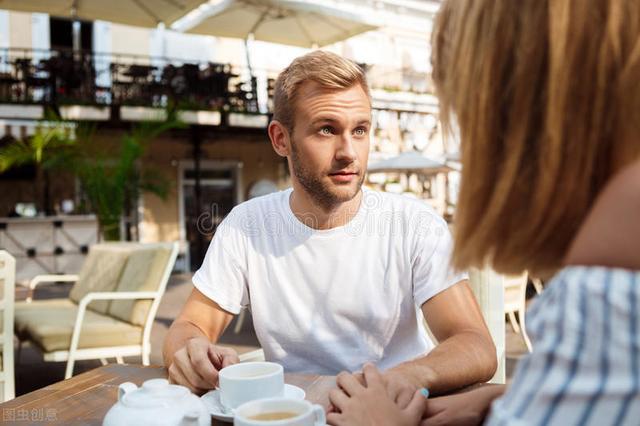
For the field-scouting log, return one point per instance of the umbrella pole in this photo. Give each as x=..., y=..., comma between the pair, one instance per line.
x=246, y=51
x=76, y=27
x=196, y=140
x=252, y=79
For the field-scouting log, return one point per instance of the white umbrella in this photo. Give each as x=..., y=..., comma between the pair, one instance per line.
x=302, y=23
x=409, y=162
x=145, y=13
x=413, y=162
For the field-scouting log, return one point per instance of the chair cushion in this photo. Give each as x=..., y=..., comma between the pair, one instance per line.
x=100, y=272
x=143, y=272
x=49, y=324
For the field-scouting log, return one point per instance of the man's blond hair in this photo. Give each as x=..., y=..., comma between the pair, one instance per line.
x=329, y=70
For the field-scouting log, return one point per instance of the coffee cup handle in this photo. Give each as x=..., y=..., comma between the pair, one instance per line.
x=321, y=420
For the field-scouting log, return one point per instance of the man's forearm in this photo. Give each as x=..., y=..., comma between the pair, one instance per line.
x=179, y=334
x=200, y=317
x=462, y=360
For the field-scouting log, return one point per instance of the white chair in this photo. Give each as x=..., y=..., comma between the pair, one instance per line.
x=110, y=310
x=7, y=287
x=537, y=285
x=515, y=297
x=487, y=287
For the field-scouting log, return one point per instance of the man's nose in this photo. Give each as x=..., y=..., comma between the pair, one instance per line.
x=346, y=151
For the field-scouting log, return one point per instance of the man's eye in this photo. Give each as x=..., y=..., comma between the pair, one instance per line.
x=360, y=132
x=326, y=130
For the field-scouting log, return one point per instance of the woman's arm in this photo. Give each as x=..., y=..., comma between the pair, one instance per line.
x=468, y=408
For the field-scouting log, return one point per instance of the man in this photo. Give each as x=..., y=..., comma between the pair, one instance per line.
x=333, y=273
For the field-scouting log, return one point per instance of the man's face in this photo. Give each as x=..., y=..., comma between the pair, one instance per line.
x=330, y=142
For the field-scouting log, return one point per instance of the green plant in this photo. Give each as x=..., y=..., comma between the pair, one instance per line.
x=112, y=184
x=48, y=149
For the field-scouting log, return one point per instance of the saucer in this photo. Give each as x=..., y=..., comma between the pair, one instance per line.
x=212, y=400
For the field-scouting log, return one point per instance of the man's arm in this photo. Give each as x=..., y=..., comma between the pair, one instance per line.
x=465, y=354
x=189, y=352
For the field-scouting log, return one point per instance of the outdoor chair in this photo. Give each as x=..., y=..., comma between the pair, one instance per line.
x=7, y=295
x=538, y=285
x=487, y=286
x=515, y=292
x=110, y=309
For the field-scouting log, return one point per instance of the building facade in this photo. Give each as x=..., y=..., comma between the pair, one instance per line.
x=228, y=145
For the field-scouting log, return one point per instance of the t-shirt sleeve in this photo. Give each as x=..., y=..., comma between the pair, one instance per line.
x=222, y=276
x=432, y=271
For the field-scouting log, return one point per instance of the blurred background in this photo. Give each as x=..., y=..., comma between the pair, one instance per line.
x=145, y=121
x=85, y=76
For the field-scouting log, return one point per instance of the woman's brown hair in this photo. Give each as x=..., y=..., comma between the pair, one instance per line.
x=546, y=96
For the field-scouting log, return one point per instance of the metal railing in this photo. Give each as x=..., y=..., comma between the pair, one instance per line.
x=59, y=77
x=63, y=77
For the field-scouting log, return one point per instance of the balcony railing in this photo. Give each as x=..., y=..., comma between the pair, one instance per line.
x=60, y=77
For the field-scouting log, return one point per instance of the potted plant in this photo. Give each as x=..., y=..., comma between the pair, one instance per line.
x=47, y=150
x=112, y=184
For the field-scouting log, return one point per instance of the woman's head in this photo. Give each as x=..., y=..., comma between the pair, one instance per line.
x=546, y=96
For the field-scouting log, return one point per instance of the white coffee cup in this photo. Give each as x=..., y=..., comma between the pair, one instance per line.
x=302, y=413
x=244, y=382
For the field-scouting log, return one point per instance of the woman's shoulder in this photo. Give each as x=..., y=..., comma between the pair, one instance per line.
x=610, y=235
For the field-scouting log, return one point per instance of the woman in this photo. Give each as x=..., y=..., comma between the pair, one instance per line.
x=546, y=94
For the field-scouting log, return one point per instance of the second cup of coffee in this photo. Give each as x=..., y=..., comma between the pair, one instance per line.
x=279, y=412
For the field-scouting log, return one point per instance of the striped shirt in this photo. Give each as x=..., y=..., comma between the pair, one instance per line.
x=585, y=364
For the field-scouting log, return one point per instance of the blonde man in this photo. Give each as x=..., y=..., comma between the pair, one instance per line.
x=335, y=275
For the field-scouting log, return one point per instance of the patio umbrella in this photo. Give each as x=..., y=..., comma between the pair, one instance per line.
x=302, y=23
x=145, y=13
x=409, y=162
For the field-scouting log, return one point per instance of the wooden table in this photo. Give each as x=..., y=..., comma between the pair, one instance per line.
x=85, y=399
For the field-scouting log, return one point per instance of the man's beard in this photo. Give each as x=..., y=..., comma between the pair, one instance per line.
x=318, y=188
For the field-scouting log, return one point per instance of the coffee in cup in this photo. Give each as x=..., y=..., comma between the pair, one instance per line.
x=274, y=415
x=279, y=412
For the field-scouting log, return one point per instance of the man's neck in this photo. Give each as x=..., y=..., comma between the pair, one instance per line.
x=316, y=216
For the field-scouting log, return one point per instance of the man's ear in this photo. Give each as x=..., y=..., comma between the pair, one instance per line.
x=280, y=138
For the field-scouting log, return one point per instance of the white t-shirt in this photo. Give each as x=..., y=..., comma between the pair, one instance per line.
x=324, y=301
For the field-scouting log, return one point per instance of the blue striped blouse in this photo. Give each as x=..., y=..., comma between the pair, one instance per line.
x=585, y=364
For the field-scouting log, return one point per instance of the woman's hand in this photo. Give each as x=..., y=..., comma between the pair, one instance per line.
x=368, y=404
x=468, y=409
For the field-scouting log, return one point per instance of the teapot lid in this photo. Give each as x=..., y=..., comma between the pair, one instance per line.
x=154, y=393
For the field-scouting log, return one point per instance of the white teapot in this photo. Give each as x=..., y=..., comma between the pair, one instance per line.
x=157, y=403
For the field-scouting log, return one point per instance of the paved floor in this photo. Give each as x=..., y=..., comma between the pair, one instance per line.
x=33, y=373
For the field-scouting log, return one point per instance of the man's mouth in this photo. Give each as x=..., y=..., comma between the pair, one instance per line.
x=343, y=173
x=343, y=176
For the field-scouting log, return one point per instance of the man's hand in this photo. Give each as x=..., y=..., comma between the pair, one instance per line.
x=401, y=386
x=468, y=409
x=196, y=364
x=368, y=404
